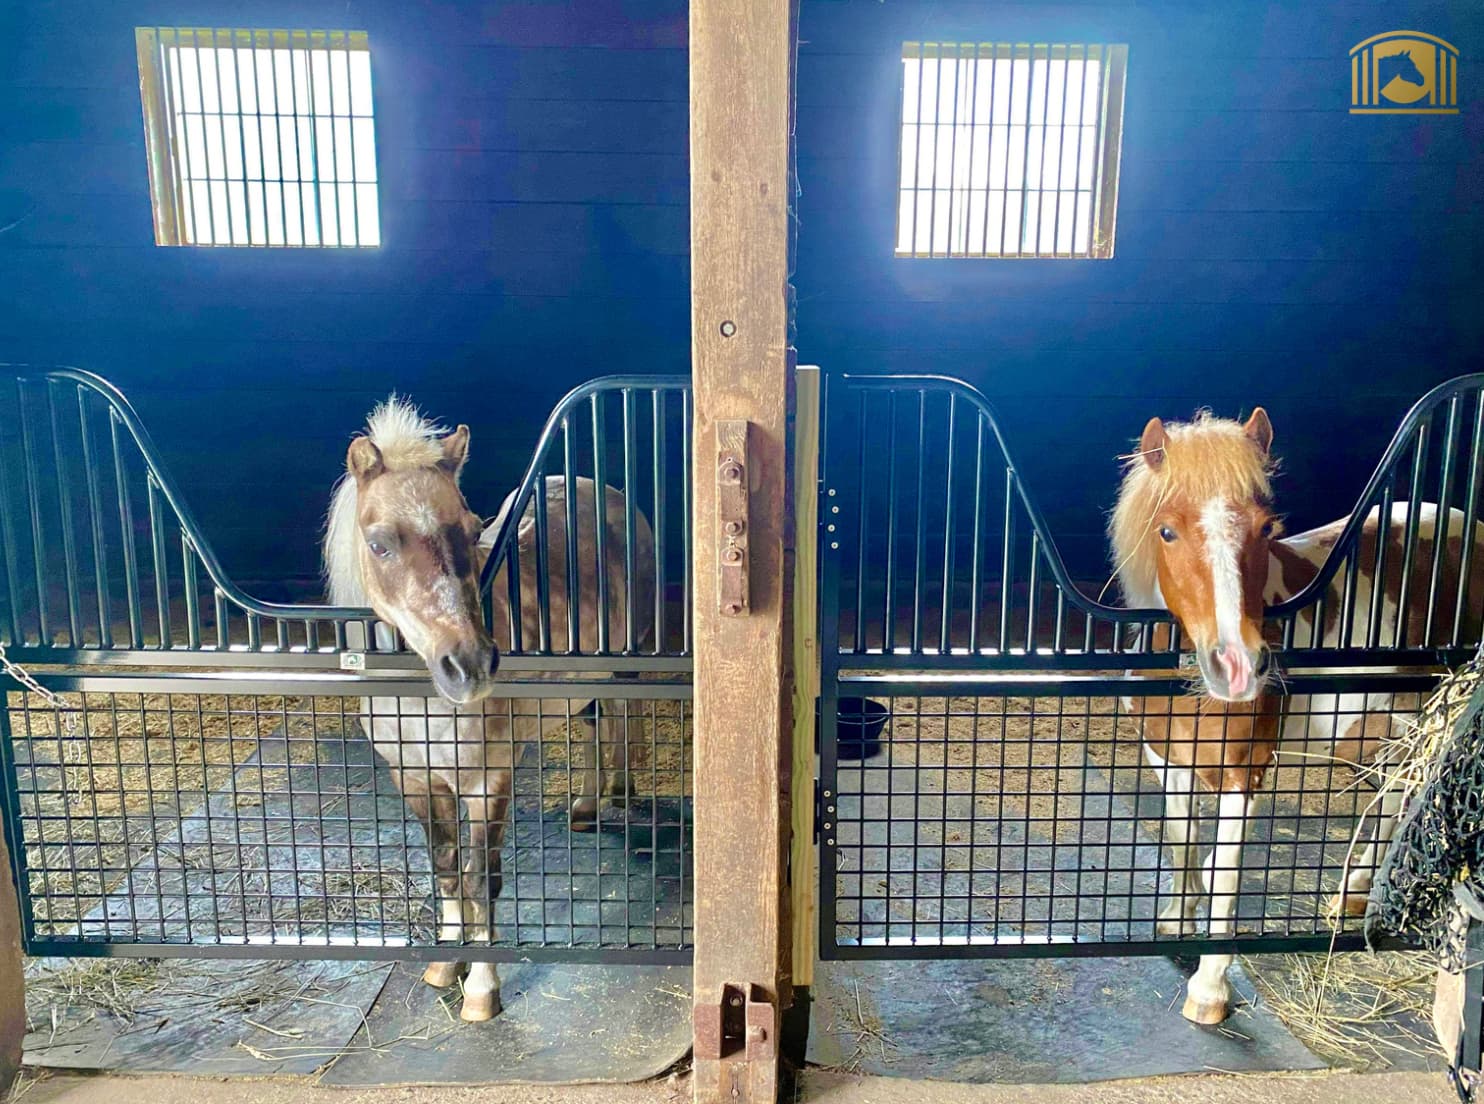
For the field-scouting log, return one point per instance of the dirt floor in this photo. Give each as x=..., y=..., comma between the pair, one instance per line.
x=813, y=1086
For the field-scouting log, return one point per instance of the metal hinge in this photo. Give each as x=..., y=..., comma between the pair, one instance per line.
x=737, y=1026
x=817, y=806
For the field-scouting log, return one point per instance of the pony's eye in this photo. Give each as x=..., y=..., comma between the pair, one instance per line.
x=1267, y=529
x=1166, y=534
x=379, y=550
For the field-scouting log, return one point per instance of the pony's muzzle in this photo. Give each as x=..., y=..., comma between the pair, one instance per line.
x=464, y=674
x=1232, y=672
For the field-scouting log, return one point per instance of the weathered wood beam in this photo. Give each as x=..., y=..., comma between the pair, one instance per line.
x=741, y=69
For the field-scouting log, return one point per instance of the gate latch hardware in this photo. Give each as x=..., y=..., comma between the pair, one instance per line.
x=737, y=1026
x=352, y=661
x=731, y=516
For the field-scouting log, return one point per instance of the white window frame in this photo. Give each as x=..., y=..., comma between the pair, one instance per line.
x=255, y=152
x=943, y=134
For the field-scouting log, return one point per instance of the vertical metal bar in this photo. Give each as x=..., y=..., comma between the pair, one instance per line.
x=1347, y=606
x=241, y=140
x=543, y=562
x=976, y=577
x=1470, y=513
x=937, y=138
x=1025, y=146
x=205, y=140
x=1082, y=125
x=600, y=517
x=919, y=556
x=1378, y=580
x=1442, y=520
x=1007, y=562
x=28, y=451
x=157, y=552
x=131, y=563
x=319, y=219
x=658, y=407
x=512, y=586
x=958, y=60
x=630, y=524
x=95, y=519
x=257, y=103
x=944, y=640
x=1409, y=537
x=569, y=524
x=350, y=115
x=861, y=527
x=192, y=598
x=1033, y=598
x=63, y=481
x=298, y=140
x=1009, y=110
x=889, y=629
x=254, y=632
x=917, y=151
x=223, y=634
x=12, y=565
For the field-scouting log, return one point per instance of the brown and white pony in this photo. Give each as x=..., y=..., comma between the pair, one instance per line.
x=1194, y=533
x=401, y=539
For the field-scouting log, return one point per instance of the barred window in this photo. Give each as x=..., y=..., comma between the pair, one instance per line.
x=1009, y=150
x=259, y=137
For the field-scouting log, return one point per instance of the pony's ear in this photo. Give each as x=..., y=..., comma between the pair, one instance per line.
x=1259, y=430
x=1152, y=443
x=363, y=460
x=455, y=451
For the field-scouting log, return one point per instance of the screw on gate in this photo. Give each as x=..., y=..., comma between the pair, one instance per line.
x=731, y=516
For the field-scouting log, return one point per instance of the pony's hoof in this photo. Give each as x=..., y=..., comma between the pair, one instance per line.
x=1207, y=1013
x=1351, y=904
x=1170, y=925
x=478, y=1007
x=585, y=824
x=441, y=975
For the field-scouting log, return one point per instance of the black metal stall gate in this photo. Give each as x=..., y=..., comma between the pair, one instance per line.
x=1009, y=810
x=183, y=768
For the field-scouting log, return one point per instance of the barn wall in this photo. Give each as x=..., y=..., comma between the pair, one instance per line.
x=532, y=159
x=1271, y=248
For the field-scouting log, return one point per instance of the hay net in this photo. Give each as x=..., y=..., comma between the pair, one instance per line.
x=1431, y=882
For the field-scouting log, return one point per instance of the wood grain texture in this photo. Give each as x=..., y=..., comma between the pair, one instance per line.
x=804, y=862
x=741, y=92
x=12, y=980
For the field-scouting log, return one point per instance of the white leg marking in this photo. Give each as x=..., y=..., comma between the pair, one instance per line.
x=1178, y=827
x=1208, y=994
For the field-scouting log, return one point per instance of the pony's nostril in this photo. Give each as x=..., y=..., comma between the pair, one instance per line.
x=452, y=669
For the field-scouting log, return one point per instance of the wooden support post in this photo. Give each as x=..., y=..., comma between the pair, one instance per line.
x=12, y=980
x=741, y=70
x=803, y=865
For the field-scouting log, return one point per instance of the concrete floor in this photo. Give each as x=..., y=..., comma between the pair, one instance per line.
x=816, y=1087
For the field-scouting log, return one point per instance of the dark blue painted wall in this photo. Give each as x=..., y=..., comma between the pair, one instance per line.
x=534, y=213
x=1271, y=248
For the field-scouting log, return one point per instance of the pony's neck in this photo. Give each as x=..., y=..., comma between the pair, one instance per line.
x=342, y=559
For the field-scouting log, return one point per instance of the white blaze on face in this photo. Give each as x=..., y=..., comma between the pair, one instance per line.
x=1221, y=529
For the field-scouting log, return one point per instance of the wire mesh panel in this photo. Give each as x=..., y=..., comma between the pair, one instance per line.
x=276, y=808
x=1011, y=764
x=180, y=815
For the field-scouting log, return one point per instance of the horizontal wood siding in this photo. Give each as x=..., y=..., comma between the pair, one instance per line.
x=1271, y=248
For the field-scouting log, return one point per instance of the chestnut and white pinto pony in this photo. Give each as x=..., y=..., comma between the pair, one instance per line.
x=401, y=539
x=1194, y=533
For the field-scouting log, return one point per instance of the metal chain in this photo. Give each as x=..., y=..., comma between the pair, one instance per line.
x=28, y=680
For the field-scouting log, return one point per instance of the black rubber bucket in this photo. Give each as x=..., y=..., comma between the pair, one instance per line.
x=858, y=728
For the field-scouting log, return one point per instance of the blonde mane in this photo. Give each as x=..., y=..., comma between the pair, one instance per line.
x=1205, y=458
x=406, y=440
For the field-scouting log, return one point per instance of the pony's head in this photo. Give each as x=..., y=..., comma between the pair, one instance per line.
x=1191, y=534
x=409, y=539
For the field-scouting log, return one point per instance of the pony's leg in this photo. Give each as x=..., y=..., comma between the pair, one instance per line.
x=1177, y=830
x=1352, y=898
x=483, y=880
x=603, y=744
x=439, y=813
x=1208, y=994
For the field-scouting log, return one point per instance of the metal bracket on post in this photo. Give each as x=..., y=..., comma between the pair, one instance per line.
x=731, y=517
x=741, y=1032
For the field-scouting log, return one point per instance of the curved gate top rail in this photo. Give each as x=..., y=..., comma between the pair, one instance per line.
x=104, y=561
x=936, y=555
